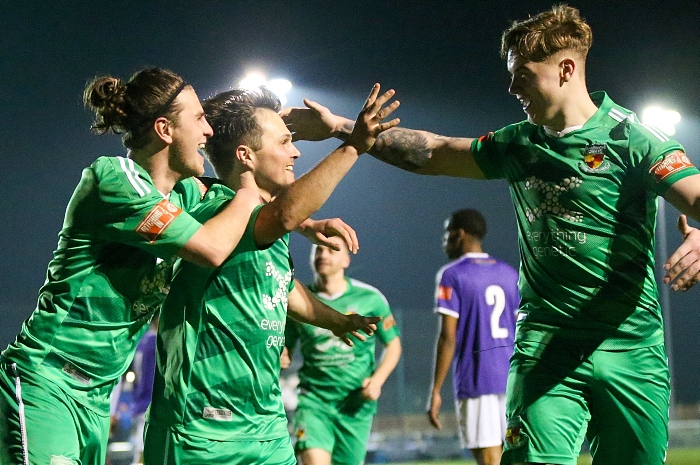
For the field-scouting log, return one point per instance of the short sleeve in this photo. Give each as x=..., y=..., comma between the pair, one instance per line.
x=117, y=197
x=446, y=297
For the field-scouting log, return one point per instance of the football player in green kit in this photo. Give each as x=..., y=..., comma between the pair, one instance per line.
x=584, y=175
x=216, y=395
x=338, y=385
x=124, y=226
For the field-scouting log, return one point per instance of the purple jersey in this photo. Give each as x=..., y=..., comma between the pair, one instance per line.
x=482, y=293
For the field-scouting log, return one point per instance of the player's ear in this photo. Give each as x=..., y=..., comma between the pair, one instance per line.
x=246, y=156
x=567, y=66
x=163, y=129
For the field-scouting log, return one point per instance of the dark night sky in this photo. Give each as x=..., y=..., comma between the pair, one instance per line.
x=440, y=56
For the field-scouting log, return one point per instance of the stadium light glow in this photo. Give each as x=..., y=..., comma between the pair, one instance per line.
x=665, y=120
x=130, y=376
x=279, y=86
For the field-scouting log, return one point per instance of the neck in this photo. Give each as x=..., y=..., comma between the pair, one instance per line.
x=233, y=180
x=156, y=165
x=576, y=110
x=332, y=284
x=471, y=247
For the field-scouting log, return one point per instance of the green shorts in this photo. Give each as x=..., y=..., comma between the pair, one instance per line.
x=40, y=423
x=163, y=446
x=555, y=395
x=342, y=430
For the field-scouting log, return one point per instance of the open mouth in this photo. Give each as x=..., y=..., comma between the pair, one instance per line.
x=289, y=168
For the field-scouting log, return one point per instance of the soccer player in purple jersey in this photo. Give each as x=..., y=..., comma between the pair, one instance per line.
x=477, y=298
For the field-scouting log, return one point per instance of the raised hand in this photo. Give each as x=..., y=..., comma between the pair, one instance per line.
x=318, y=232
x=355, y=323
x=315, y=122
x=683, y=267
x=368, y=124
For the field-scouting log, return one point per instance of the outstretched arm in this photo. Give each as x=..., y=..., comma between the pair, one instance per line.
x=416, y=151
x=444, y=351
x=306, y=195
x=372, y=386
x=305, y=307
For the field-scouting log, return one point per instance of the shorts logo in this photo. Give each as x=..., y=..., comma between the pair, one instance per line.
x=670, y=164
x=444, y=293
x=513, y=435
x=594, y=159
x=300, y=432
x=219, y=414
x=158, y=220
x=61, y=460
x=388, y=323
x=74, y=373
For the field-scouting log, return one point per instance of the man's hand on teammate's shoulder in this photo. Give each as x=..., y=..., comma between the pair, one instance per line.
x=315, y=122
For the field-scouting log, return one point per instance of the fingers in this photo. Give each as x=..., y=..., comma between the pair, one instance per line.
x=683, y=226
x=346, y=340
x=359, y=335
x=372, y=97
x=432, y=417
x=346, y=233
x=314, y=106
x=389, y=124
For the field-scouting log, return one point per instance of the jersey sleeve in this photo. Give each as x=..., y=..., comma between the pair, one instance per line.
x=387, y=330
x=446, y=297
x=490, y=151
x=130, y=210
x=663, y=160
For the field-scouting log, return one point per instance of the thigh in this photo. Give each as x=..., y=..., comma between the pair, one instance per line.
x=481, y=421
x=313, y=427
x=32, y=407
x=546, y=405
x=164, y=446
x=351, y=436
x=629, y=406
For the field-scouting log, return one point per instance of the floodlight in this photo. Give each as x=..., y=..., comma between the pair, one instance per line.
x=665, y=120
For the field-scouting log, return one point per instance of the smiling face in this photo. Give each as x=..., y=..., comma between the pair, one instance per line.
x=189, y=133
x=538, y=87
x=274, y=160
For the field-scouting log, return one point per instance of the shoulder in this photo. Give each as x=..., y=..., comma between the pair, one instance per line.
x=369, y=290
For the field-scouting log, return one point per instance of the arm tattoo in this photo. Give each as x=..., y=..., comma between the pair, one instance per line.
x=404, y=148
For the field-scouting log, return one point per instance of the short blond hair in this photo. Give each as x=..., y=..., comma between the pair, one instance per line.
x=541, y=36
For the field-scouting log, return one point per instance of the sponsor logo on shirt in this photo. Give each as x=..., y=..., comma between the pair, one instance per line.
x=74, y=373
x=158, y=220
x=218, y=414
x=594, y=159
x=444, y=293
x=670, y=164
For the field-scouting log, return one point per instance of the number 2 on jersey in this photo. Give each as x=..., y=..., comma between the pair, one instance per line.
x=497, y=299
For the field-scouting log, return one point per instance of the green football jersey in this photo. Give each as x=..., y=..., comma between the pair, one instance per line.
x=105, y=280
x=220, y=338
x=331, y=369
x=586, y=206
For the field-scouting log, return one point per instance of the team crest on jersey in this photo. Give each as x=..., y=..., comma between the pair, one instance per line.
x=594, y=159
x=300, y=432
x=670, y=164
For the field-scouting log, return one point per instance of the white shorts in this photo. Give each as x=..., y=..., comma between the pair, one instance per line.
x=481, y=421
